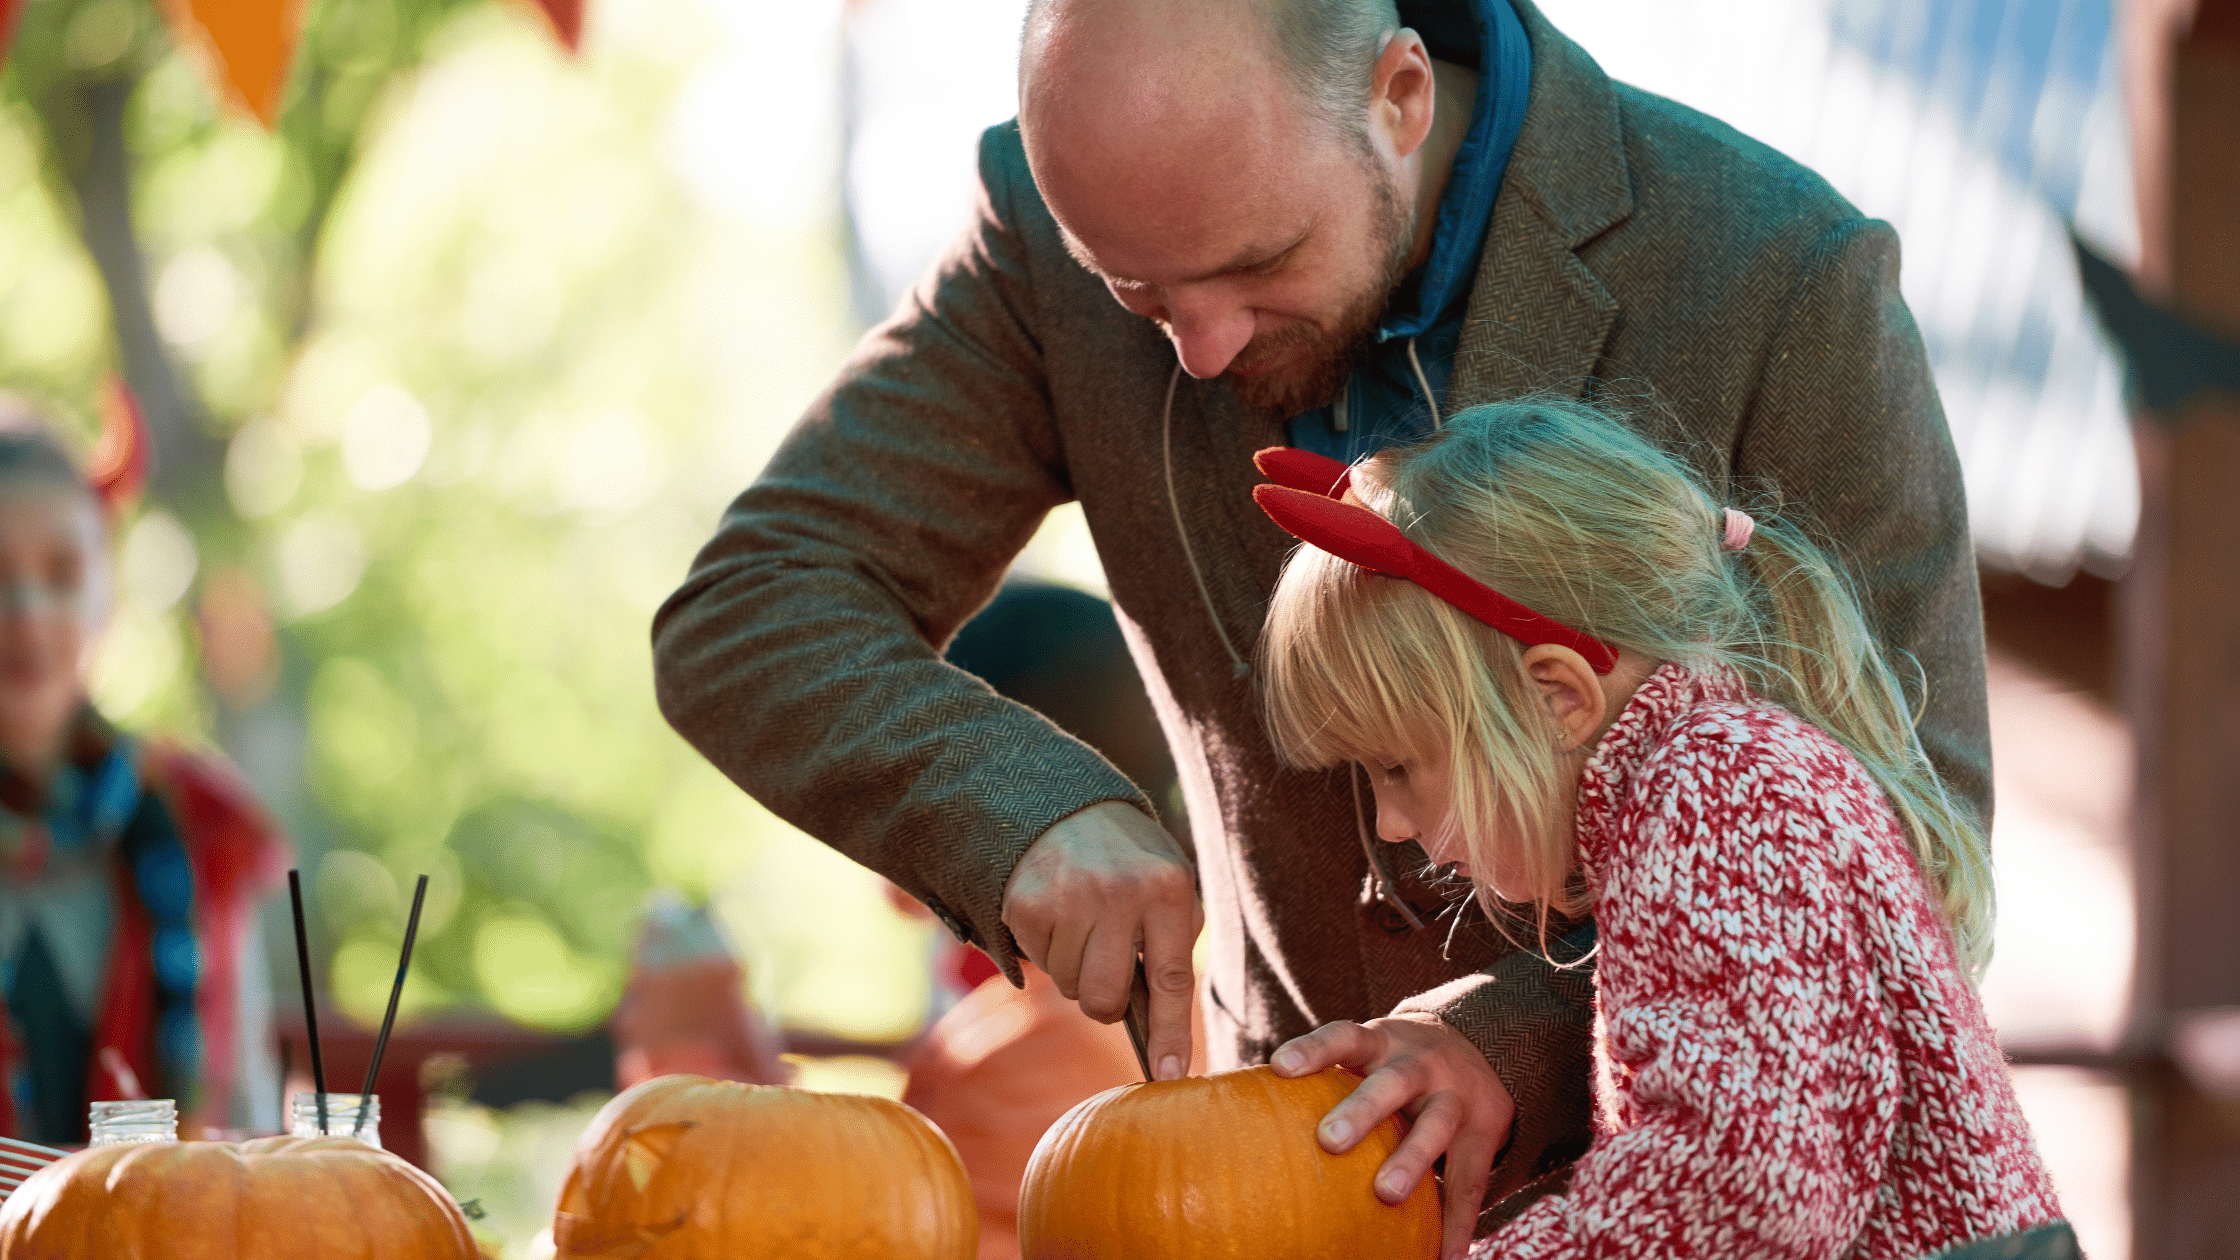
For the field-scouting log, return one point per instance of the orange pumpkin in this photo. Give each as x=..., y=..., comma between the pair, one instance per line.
x=270, y=1199
x=1222, y=1167
x=687, y=1168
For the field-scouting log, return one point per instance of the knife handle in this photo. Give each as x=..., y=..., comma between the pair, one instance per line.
x=1138, y=1018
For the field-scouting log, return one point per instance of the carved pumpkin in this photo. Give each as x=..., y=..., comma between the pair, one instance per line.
x=271, y=1199
x=1222, y=1167
x=687, y=1168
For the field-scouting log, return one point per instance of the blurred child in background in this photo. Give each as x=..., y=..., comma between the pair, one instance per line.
x=685, y=1008
x=129, y=869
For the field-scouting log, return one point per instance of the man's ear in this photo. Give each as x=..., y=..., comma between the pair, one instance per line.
x=1569, y=689
x=1401, y=92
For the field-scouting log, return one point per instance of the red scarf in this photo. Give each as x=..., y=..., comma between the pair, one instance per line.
x=235, y=854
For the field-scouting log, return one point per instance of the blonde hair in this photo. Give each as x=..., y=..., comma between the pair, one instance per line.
x=1561, y=508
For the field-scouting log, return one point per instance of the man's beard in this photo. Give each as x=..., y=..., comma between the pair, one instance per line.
x=1331, y=354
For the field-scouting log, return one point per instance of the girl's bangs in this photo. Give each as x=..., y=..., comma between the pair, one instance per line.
x=1344, y=661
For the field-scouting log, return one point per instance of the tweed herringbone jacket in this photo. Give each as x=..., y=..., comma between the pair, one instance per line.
x=1639, y=253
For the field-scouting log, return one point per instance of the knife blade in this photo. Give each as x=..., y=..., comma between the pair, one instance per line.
x=1138, y=1018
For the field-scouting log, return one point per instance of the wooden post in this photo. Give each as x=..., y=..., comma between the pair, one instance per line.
x=2180, y=640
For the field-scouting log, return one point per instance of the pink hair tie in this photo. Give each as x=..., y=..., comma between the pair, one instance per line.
x=1739, y=528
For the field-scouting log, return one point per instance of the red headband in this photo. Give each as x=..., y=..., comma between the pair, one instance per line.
x=1308, y=503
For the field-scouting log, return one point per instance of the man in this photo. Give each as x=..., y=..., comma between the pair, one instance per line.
x=1220, y=225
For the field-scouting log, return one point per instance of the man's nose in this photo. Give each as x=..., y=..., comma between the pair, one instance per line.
x=1208, y=333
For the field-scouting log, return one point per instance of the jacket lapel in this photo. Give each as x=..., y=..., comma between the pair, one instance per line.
x=1538, y=317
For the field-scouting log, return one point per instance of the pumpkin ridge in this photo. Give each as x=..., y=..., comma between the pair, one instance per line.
x=1223, y=1167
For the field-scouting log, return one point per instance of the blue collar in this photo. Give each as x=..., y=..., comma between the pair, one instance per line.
x=1434, y=290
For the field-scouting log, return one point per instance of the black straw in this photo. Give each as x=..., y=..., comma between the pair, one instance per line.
x=310, y=1008
x=396, y=991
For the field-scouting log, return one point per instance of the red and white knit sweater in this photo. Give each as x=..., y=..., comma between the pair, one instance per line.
x=1793, y=1062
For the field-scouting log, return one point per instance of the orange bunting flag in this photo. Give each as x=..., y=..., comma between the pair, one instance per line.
x=566, y=17
x=249, y=44
x=10, y=10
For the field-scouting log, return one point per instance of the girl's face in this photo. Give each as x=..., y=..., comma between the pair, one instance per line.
x=1414, y=798
x=53, y=598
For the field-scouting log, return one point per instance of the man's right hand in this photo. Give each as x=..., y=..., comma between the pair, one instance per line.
x=1089, y=894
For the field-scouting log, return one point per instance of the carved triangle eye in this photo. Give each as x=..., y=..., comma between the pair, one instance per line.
x=647, y=1149
x=574, y=1199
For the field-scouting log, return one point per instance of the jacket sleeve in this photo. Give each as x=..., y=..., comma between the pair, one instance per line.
x=1534, y=1022
x=801, y=655
x=1846, y=425
x=1757, y=1109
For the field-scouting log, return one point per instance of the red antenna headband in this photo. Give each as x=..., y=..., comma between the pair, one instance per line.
x=1308, y=503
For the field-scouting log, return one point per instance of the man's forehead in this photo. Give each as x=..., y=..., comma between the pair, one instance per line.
x=1178, y=208
x=1182, y=260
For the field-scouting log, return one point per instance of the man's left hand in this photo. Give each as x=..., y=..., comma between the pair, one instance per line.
x=1419, y=1066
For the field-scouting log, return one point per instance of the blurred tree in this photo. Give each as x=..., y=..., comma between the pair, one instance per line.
x=80, y=67
x=126, y=133
x=423, y=362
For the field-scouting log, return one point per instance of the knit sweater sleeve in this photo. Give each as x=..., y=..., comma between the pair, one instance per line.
x=1746, y=1062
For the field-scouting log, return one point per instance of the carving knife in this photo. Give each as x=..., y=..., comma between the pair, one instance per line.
x=1138, y=1018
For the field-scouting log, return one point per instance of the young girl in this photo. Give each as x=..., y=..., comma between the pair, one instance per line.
x=1577, y=678
x=129, y=871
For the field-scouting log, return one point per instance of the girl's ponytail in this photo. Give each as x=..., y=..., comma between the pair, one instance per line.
x=1816, y=656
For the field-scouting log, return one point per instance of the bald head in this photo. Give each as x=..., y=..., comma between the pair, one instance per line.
x=1163, y=114
x=1134, y=101
x=1321, y=51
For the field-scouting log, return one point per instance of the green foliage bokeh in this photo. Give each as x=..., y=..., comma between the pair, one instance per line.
x=484, y=370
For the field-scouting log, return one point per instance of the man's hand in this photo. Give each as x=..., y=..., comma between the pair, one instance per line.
x=1417, y=1065
x=1093, y=891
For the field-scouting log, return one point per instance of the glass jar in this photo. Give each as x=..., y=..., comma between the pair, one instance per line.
x=140, y=1120
x=343, y=1118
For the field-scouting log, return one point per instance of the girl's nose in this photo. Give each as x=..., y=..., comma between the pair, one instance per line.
x=1394, y=826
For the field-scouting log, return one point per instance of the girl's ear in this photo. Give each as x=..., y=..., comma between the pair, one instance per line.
x=1571, y=692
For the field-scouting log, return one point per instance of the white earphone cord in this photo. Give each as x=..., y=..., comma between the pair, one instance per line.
x=1423, y=383
x=1174, y=507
